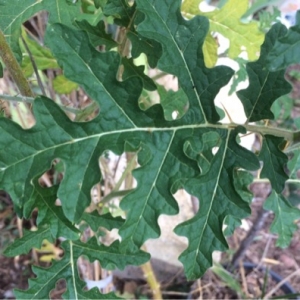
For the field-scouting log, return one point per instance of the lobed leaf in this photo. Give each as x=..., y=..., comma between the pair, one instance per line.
x=14, y=13
x=41, y=55
x=285, y=51
x=274, y=161
x=49, y=214
x=62, y=85
x=120, y=10
x=182, y=55
x=131, y=70
x=95, y=220
x=226, y=20
x=285, y=215
x=97, y=34
x=189, y=152
x=218, y=198
x=264, y=86
x=30, y=240
x=66, y=268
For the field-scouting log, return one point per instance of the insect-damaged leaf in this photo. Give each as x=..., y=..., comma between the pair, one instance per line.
x=66, y=268
x=192, y=152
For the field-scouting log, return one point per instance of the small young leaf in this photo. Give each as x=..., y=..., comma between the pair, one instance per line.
x=62, y=85
x=41, y=55
x=285, y=215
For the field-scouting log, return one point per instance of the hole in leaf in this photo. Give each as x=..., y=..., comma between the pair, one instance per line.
x=94, y=275
x=54, y=175
x=170, y=245
x=247, y=140
x=215, y=150
x=60, y=288
x=117, y=180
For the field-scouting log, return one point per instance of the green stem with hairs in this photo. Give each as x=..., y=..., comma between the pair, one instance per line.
x=14, y=68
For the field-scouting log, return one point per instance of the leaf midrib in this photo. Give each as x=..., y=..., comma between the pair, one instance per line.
x=213, y=197
x=98, y=81
x=184, y=61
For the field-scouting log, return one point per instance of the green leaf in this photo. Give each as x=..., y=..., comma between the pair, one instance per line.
x=274, y=161
x=239, y=76
x=216, y=193
x=100, y=3
x=264, y=86
x=131, y=70
x=14, y=13
x=282, y=107
x=41, y=55
x=193, y=152
x=174, y=103
x=210, y=50
x=49, y=214
x=107, y=221
x=120, y=10
x=285, y=215
x=231, y=224
x=228, y=279
x=97, y=34
x=242, y=180
x=1, y=70
x=182, y=43
x=127, y=16
x=140, y=44
x=66, y=268
x=226, y=21
x=294, y=165
x=258, y=5
x=63, y=86
x=285, y=51
x=31, y=239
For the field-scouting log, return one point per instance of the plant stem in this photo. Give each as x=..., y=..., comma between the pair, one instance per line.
x=34, y=66
x=14, y=68
x=151, y=278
